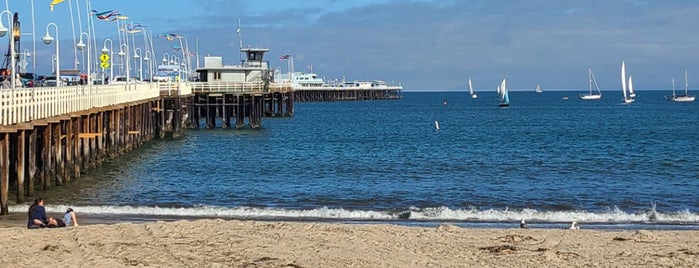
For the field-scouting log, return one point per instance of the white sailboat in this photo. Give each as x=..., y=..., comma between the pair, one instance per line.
x=504, y=96
x=624, y=90
x=590, y=95
x=681, y=98
x=470, y=89
x=538, y=89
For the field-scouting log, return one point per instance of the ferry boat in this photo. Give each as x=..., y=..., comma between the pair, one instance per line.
x=311, y=81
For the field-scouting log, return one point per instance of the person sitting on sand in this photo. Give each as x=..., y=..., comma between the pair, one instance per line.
x=37, y=215
x=55, y=223
x=69, y=218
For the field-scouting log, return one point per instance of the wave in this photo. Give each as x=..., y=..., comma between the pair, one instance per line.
x=435, y=214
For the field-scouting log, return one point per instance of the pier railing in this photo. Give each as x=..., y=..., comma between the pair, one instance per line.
x=229, y=87
x=27, y=104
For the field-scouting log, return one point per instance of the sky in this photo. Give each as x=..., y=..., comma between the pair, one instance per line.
x=421, y=44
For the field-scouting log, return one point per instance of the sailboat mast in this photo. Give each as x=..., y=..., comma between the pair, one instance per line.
x=686, y=84
x=673, y=88
x=589, y=77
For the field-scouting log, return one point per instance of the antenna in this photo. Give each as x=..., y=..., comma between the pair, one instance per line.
x=240, y=39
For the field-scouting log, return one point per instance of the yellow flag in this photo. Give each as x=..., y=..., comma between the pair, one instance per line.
x=55, y=2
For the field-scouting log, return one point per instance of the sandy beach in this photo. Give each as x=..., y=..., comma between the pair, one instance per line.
x=233, y=243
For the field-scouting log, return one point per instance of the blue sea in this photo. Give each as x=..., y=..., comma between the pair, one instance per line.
x=544, y=159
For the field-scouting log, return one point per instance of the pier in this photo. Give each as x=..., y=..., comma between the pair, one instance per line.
x=332, y=93
x=50, y=135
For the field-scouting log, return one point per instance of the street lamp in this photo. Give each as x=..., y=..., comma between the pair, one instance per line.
x=137, y=56
x=3, y=32
x=47, y=40
x=124, y=53
x=80, y=47
x=166, y=57
x=148, y=63
x=109, y=51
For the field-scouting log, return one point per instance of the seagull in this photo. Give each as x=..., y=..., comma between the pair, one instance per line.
x=574, y=226
x=523, y=224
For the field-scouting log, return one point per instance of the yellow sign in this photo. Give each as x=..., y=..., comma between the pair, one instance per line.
x=104, y=65
x=104, y=58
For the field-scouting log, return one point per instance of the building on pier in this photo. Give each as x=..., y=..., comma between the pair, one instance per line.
x=239, y=92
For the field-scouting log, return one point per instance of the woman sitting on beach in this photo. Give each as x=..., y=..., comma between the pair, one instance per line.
x=68, y=220
x=37, y=215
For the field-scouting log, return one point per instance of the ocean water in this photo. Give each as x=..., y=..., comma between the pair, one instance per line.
x=544, y=159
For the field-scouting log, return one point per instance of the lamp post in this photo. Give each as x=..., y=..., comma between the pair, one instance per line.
x=148, y=63
x=109, y=51
x=137, y=56
x=47, y=40
x=3, y=32
x=166, y=58
x=80, y=47
x=124, y=53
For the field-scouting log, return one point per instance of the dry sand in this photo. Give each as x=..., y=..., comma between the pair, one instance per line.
x=232, y=243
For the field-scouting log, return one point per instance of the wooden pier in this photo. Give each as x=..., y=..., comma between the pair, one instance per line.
x=322, y=94
x=51, y=135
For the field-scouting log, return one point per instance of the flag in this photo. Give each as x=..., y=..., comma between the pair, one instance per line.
x=106, y=15
x=54, y=2
x=284, y=57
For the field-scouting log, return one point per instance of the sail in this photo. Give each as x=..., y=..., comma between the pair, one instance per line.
x=504, y=98
x=470, y=86
x=631, y=86
x=623, y=79
x=538, y=88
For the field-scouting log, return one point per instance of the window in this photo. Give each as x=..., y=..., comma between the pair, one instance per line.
x=217, y=76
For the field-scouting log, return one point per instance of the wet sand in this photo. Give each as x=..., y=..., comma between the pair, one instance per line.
x=234, y=243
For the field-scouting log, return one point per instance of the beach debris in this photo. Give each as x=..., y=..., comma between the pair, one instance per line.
x=499, y=249
x=574, y=226
x=523, y=224
x=516, y=238
x=50, y=248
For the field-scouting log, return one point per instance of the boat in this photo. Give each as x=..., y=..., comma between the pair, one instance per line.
x=504, y=96
x=590, y=95
x=311, y=81
x=470, y=89
x=538, y=89
x=681, y=98
x=625, y=91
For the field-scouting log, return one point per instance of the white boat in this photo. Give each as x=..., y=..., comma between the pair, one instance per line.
x=504, y=96
x=470, y=89
x=590, y=95
x=627, y=98
x=681, y=98
x=538, y=89
x=311, y=81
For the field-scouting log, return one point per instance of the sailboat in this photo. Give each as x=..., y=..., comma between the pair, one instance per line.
x=681, y=98
x=538, y=89
x=470, y=89
x=590, y=95
x=624, y=90
x=504, y=97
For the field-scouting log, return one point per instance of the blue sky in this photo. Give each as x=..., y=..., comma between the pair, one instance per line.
x=425, y=45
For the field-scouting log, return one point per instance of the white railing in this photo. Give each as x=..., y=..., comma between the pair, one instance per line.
x=228, y=87
x=27, y=104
